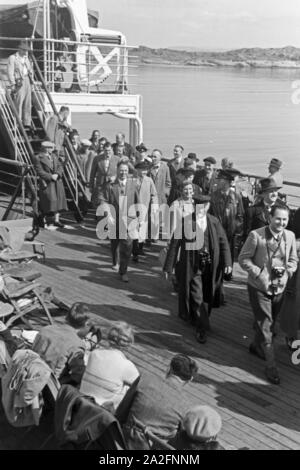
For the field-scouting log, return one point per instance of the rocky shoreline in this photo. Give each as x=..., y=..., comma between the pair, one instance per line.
x=287, y=57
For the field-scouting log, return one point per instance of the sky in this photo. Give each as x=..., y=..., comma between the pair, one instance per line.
x=202, y=24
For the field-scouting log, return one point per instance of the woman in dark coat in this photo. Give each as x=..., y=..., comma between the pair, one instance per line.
x=200, y=267
x=52, y=196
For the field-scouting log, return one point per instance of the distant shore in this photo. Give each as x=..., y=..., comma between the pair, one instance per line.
x=286, y=57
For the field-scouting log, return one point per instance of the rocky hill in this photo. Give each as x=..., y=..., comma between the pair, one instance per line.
x=285, y=57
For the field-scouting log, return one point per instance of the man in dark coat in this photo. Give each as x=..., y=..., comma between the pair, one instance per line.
x=259, y=215
x=52, y=196
x=203, y=259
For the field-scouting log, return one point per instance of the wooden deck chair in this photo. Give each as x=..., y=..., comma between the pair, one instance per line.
x=154, y=442
x=24, y=297
x=124, y=406
x=12, y=233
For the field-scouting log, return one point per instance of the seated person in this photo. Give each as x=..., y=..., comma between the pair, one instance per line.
x=8, y=346
x=62, y=346
x=160, y=403
x=109, y=373
x=198, y=430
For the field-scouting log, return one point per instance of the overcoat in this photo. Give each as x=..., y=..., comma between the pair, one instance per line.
x=51, y=193
x=188, y=264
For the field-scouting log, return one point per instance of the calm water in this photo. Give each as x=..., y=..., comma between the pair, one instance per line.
x=247, y=115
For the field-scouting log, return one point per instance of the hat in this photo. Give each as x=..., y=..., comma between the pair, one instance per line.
x=142, y=166
x=268, y=184
x=47, y=145
x=186, y=172
x=74, y=132
x=183, y=366
x=86, y=142
x=193, y=156
x=141, y=148
x=201, y=199
x=188, y=162
x=275, y=162
x=202, y=423
x=210, y=160
x=228, y=174
x=23, y=45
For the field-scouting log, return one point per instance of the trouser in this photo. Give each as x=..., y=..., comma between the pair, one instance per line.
x=121, y=251
x=23, y=102
x=265, y=309
x=137, y=247
x=191, y=304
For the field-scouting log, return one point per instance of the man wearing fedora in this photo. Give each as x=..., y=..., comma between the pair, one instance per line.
x=258, y=216
x=275, y=173
x=52, y=198
x=174, y=165
x=20, y=74
x=206, y=177
x=204, y=258
x=269, y=256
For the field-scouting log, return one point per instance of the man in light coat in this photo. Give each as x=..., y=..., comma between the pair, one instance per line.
x=20, y=74
x=270, y=258
x=148, y=199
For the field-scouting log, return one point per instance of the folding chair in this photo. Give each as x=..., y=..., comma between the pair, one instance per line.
x=24, y=298
x=13, y=232
x=124, y=406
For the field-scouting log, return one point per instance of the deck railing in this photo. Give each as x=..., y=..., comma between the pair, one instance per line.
x=79, y=66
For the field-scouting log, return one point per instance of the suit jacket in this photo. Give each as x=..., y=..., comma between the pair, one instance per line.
x=15, y=68
x=188, y=265
x=162, y=181
x=174, y=193
x=205, y=185
x=100, y=178
x=254, y=258
x=113, y=197
x=147, y=191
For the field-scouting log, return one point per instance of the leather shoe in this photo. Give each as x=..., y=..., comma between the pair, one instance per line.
x=257, y=351
x=272, y=375
x=115, y=267
x=201, y=336
x=124, y=278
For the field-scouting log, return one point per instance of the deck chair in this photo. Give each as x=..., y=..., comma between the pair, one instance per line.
x=82, y=424
x=124, y=406
x=12, y=234
x=154, y=442
x=24, y=297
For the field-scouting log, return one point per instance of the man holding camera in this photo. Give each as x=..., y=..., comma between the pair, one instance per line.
x=269, y=256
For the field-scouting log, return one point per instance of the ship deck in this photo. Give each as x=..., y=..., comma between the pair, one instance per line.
x=256, y=415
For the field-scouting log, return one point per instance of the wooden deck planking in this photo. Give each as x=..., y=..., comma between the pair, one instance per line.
x=255, y=413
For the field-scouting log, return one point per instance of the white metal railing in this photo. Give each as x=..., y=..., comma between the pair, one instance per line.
x=80, y=66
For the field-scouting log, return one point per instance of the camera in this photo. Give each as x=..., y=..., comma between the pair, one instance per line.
x=278, y=272
x=204, y=259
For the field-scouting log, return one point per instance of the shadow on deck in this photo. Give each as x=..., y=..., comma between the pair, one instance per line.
x=255, y=414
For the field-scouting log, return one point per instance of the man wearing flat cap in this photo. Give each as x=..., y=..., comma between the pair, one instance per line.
x=206, y=178
x=258, y=215
x=204, y=257
x=275, y=173
x=141, y=154
x=52, y=198
x=20, y=75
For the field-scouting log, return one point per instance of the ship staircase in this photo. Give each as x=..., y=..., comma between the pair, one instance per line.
x=17, y=174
